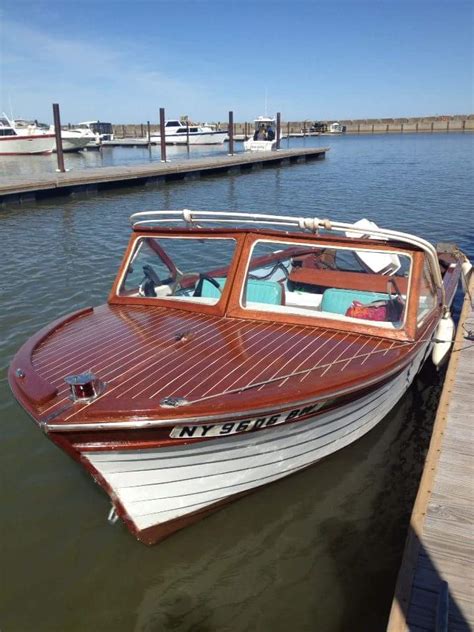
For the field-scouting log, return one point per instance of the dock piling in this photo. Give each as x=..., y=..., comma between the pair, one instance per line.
x=231, y=133
x=59, y=141
x=162, y=135
x=278, y=134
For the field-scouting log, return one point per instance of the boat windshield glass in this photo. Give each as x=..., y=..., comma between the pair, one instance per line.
x=102, y=128
x=338, y=283
x=180, y=268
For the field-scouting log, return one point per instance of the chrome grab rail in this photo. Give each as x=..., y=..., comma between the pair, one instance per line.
x=309, y=224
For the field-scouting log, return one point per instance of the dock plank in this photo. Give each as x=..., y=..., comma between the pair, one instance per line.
x=15, y=188
x=440, y=543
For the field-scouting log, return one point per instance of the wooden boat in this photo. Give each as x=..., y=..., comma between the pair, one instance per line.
x=234, y=350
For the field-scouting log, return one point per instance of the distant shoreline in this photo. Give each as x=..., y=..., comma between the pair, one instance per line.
x=428, y=124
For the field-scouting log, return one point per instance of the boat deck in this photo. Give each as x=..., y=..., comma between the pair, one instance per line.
x=435, y=587
x=16, y=189
x=147, y=354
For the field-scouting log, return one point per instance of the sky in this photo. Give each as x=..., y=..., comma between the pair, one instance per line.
x=120, y=61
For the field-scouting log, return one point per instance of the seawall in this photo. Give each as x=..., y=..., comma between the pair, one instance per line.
x=430, y=124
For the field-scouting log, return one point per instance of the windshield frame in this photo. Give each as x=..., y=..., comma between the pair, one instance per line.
x=217, y=308
x=230, y=301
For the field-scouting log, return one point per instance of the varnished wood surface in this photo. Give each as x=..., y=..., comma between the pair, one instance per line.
x=148, y=349
x=54, y=182
x=440, y=543
x=137, y=351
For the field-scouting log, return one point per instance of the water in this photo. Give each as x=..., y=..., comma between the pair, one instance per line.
x=317, y=551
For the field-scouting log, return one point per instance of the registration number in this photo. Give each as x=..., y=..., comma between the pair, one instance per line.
x=237, y=427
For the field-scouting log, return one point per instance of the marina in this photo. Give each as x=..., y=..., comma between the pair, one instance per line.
x=309, y=541
x=237, y=316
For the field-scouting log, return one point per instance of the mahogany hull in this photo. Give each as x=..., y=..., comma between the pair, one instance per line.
x=158, y=491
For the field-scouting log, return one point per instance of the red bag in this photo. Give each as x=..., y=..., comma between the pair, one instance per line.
x=372, y=311
x=390, y=311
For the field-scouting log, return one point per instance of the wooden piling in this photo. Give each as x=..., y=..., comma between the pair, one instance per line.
x=162, y=135
x=231, y=133
x=59, y=140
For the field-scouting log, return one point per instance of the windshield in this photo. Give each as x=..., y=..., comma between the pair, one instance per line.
x=179, y=268
x=101, y=128
x=337, y=283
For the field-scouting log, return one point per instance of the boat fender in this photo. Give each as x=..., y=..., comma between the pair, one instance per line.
x=466, y=270
x=443, y=339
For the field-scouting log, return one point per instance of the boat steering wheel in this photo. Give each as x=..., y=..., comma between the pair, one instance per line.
x=205, y=277
x=149, y=282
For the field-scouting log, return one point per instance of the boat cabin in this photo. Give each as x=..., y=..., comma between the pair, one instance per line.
x=177, y=127
x=265, y=125
x=103, y=131
x=336, y=128
x=6, y=128
x=310, y=277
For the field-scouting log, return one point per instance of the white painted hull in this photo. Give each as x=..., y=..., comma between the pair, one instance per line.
x=158, y=485
x=74, y=143
x=195, y=138
x=27, y=145
x=260, y=145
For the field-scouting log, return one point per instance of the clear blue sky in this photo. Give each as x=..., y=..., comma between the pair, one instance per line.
x=122, y=60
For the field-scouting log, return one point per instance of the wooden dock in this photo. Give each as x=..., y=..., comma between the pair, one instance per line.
x=17, y=190
x=435, y=586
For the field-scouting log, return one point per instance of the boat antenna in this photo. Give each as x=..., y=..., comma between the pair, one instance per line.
x=11, y=108
x=266, y=96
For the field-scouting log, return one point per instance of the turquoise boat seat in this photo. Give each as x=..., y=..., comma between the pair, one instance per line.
x=338, y=301
x=210, y=291
x=269, y=292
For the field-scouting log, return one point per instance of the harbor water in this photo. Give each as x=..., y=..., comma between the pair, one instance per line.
x=319, y=550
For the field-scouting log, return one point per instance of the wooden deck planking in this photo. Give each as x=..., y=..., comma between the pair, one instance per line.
x=440, y=542
x=16, y=189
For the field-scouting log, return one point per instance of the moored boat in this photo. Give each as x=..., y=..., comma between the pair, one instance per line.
x=178, y=133
x=72, y=140
x=14, y=142
x=234, y=350
x=336, y=128
x=264, y=137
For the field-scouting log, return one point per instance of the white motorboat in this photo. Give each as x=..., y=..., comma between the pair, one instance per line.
x=336, y=128
x=77, y=139
x=176, y=133
x=13, y=141
x=72, y=140
x=235, y=349
x=264, y=137
x=96, y=130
